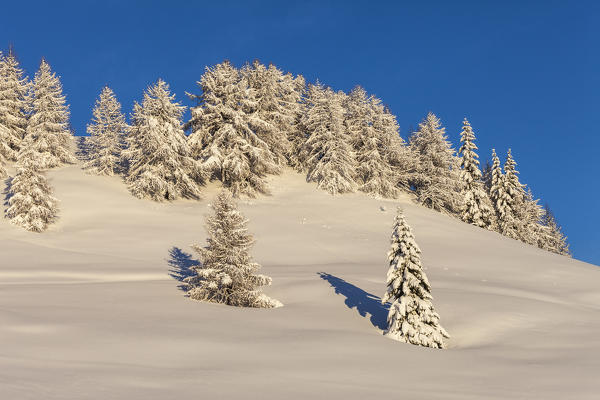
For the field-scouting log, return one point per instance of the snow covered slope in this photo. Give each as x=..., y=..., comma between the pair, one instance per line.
x=91, y=308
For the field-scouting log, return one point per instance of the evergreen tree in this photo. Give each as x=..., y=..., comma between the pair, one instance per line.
x=436, y=178
x=3, y=172
x=31, y=204
x=412, y=317
x=48, y=130
x=107, y=135
x=14, y=89
x=329, y=157
x=486, y=173
x=224, y=132
x=160, y=165
x=555, y=241
x=374, y=173
x=227, y=273
x=510, y=224
x=476, y=205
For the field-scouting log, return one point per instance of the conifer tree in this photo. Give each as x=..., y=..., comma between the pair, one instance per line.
x=224, y=132
x=555, y=241
x=14, y=89
x=374, y=173
x=107, y=131
x=3, y=172
x=329, y=157
x=436, y=178
x=227, y=274
x=476, y=204
x=514, y=196
x=412, y=317
x=48, y=130
x=31, y=204
x=160, y=165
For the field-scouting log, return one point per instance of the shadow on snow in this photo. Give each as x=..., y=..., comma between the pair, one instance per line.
x=182, y=265
x=365, y=303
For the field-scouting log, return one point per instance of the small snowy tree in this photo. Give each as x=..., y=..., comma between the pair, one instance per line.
x=224, y=132
x=14, y=89
x=227, y=274
x=412, y=317
x=3, y=172
x=107, y=134
x=476, y=204
x=31, y=204
x=554, y=241
x=48, y=131
x=160, y=167
x=329, y=157
x=436, y=178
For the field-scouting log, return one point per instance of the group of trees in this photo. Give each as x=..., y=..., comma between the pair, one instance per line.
x=35, y=133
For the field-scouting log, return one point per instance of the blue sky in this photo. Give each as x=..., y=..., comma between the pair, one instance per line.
x=525, y=73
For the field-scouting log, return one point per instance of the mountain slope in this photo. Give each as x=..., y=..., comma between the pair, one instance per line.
x=91, y=308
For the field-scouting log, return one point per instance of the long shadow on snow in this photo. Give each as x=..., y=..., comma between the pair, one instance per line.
x=7, y=192
x=365, y=303
x=182, y=265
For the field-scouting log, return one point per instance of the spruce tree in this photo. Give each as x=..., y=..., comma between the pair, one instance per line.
x=31, y=204
x=329, y=157
x=510, y=224
x=14, y=88
x=48, y=130
x=555, y=241
x=224, y=136
x=412, y=317
x=107, y=131
x=227, y=274
x=436, y=178
x=476, y=204
x=160, y=164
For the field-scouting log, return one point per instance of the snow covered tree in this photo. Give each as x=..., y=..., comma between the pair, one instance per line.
x=276, y=98
x=486, y=173
x=477, y=208
x=554, y=241
x=224, y=132
x=227, y=274
x=412, y=317
x=160, y=166
x=31, y=204
x=374, y=173
x=48, y=130
x=436, y=178
x=329, y=157
x=14, y=88
x=3, y=172
x=107, y=135
x=509, y=223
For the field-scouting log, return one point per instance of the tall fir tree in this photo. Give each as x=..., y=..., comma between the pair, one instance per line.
x=224, y=136
x=436, y=177
x=14, y=88
x=160, y=166
x=476, y=208
x=412, y=317
x=509, y=223
x=329, y=156
x=227, y=274
x=374, y=173
x=108, y=130
x=48, y=131
x=31, y=204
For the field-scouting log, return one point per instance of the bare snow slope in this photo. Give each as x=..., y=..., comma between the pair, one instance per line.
x=88, y=310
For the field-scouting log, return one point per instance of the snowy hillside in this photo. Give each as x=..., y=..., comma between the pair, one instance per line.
x=91, y=309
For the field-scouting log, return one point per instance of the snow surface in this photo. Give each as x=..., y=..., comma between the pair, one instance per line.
x=89, y=309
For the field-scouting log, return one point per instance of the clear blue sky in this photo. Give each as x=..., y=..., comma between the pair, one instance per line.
x=525, y=73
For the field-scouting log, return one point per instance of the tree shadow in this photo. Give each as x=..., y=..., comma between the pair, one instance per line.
x=7, y=193
x=365, y=303
x=182, y=265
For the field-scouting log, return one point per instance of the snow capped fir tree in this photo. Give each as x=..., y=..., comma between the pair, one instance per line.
x=555, y=241
x=476, y=204
x=530, y=214
x=227, y=273
x=277, y=99
x=48, y=131
x=329, y=157
x=412, y=317
x=374, y=174
x=3, y=172
x=160, y=165
x=498, y=196
x=13, y=106
x=31, y=204
x=436, y=178
x=509, y=223
x=107, y=135
x=224, y=132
